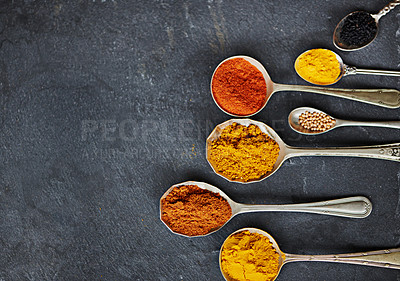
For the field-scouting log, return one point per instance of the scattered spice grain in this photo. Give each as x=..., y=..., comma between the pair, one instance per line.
x=193, y=211
x=238, y=87
x=243, y=153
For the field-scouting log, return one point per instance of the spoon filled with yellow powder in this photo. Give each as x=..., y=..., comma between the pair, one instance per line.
x=245, y=151
x=324, y=67
x=250, y=254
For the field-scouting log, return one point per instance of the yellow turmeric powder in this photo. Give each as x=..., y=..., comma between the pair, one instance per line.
x=318, y=66
x=248, y=256
x=243, y=153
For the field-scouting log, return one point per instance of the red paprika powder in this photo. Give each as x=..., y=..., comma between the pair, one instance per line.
x=239, y=87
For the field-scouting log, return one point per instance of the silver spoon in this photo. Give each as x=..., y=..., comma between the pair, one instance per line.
x=383, y=258
x=348, y=70
x=336, y=34
x=382, y=97
x=385, y=152
x=351, y=207
x=294, y=123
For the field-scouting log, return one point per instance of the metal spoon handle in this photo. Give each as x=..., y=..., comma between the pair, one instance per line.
x=385, y=152
x=387, y=9
x=384, y=124
x=383, y=258
x=382, y=97
x=351, y=70
x=351, y=207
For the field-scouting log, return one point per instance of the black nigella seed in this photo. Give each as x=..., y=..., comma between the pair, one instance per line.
x=358, y=29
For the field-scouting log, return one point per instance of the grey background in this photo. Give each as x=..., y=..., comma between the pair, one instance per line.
x=106, y=104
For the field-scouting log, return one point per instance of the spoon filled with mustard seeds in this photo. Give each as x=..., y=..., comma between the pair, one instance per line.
x=195, y=209
x=311, y=121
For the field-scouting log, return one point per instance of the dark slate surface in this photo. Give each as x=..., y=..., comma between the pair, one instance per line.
x=105, y=104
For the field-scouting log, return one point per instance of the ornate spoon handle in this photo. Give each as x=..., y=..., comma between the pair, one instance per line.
x=352, y=207
x=387, y=9
x=351, y=70
x=386, y=152
x=383, y=258
x=382, y=97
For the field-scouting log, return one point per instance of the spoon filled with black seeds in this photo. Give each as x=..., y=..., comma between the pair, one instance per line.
x=358, y=29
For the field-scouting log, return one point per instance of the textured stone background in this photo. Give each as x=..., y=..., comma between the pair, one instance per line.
x=105, y=104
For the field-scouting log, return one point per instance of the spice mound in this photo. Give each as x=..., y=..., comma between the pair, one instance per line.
x=316, y=121
x=193, y=211
x=358, y=29
x=249, y=256
x=318, y=66
x=243, y=153
x=239, y=87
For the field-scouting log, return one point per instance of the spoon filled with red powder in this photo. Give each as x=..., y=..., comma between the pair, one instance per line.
x=195, y=209
x=241, y=87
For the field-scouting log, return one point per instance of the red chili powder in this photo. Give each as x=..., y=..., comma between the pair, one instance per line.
x=239, y=87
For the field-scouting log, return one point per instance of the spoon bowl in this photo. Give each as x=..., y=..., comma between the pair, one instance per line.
x=342, y=67
x=351, y=207
x=389, y=258
x=216, y=133
x=206, y=186
x=338, y=42
x=260, y=67
x=336, y=34
x=294, y=121
x=385, y=152
x=271, y=239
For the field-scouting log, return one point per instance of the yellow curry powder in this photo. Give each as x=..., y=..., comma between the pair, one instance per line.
x=243, y=153
x=249, y=256
x=318, y=66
